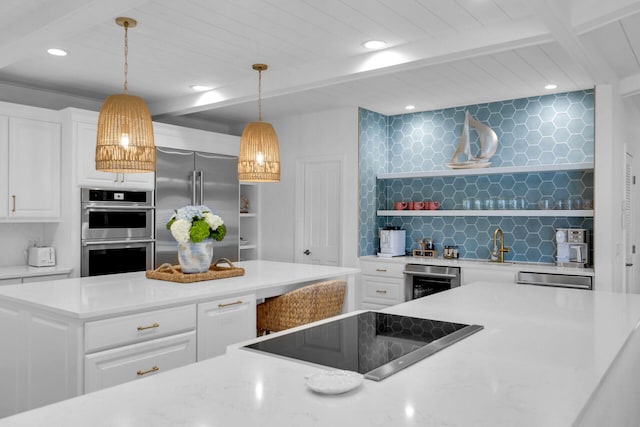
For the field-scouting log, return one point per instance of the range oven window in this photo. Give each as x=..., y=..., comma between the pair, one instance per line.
x=103, y=218
x=116, y=260
x=423, y=286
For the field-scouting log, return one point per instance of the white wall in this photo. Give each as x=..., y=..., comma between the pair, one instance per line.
x=16, y=238
x=327, y=133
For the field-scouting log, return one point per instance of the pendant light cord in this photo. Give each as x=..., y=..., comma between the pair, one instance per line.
x=126, y=54
x=259, y=95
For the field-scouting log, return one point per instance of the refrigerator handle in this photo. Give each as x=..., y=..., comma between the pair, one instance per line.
x=194, y=174
x=201, y=187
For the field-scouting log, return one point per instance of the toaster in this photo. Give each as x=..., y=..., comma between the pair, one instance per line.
x=42, y=256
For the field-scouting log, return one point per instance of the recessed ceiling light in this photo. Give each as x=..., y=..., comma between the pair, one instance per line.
x=57, y=52
x=550, y=86
x=200, y=87
x=374, y=44
x=410, y=107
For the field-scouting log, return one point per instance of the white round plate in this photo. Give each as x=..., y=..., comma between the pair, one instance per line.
x=334, y=382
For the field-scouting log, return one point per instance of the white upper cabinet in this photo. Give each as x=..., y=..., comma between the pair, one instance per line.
x=84, y=142
x=30, y=147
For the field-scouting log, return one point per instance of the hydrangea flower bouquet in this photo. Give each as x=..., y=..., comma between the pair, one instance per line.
x=195, y=228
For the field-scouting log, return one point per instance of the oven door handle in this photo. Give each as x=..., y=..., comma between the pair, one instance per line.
x=117, y=242
x=446, y=276
x=101, y=208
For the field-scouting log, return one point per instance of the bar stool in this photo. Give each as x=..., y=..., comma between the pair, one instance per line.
x=301, y=306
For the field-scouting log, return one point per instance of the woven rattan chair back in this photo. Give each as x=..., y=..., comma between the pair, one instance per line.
x=301, y=306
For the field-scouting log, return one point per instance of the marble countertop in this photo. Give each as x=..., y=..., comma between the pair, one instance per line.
x=115, y=294
x=484, y=264
x=539, y=361
x=17, y=271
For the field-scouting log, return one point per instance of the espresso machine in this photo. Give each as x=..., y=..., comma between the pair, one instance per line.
x=573, y=247
x=392, y=242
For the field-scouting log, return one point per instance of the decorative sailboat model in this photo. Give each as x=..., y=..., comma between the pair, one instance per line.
x=488, y=145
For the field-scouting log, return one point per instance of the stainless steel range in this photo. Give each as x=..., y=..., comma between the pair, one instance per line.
x=375, y=344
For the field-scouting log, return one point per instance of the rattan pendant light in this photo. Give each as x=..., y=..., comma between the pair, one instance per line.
x=259, y=159
x=125, y=133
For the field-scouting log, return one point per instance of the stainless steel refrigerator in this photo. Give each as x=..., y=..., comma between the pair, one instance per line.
x=194, y=178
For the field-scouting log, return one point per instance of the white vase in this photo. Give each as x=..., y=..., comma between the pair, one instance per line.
x=195, y=257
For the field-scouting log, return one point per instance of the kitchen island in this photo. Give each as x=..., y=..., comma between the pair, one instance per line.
x=67, y=337
x=546, y=357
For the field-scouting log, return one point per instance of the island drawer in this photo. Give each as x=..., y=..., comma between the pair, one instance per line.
x=386, y=269
x=117, y=331
x=116, y=366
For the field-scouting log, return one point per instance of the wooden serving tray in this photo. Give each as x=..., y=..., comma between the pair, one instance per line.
x=173, y=273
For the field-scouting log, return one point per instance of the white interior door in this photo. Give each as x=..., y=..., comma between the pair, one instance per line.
x=319, y=208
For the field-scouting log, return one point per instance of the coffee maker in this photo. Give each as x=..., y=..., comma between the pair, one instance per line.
x=392, y=242
x=573, y=247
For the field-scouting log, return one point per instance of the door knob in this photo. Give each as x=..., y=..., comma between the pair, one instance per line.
x=307, y=252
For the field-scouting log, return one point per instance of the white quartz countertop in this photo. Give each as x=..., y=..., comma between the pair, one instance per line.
x=16, y=271
x=484, y=264
x=538, y=361
x=99, y=296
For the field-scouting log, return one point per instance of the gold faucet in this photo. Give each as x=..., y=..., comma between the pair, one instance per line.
x=497, y=255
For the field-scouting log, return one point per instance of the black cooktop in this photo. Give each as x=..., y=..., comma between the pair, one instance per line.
x=374, y=344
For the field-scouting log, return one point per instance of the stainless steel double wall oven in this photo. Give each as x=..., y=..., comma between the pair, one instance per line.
x=117, y=231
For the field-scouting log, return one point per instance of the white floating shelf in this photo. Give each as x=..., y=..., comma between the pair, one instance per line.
x=247, y=215
x=488, y=171
x=506, y=212
x=243, y=247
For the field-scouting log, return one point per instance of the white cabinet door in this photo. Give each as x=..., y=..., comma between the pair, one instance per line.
x=34, y=169
x=225, y=322
x=123, y=364
x=85, y=145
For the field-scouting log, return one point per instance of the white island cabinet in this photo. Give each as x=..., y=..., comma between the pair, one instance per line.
x=68, y=337
x=223, y=322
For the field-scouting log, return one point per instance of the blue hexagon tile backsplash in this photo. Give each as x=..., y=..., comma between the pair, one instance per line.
x=544, y=130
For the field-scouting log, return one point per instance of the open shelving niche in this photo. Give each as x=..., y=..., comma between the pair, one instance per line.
x=489, y=171
x=249, y=222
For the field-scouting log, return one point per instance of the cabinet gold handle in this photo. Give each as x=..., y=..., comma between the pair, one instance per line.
x=13, y=197
x=153, y=369
x=381, y=292
x=228, y=304
x=383, y=270
x=142, y=328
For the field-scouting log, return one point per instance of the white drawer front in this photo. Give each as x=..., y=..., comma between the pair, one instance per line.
x=383, y=291
x=118, y=331
x=385, y=269
x=120, y=365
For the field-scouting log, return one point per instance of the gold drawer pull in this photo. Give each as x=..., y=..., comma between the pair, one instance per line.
x=142, y=328
x=381, y=292
x=228, y=304
x=382, y=270
x=153, y=369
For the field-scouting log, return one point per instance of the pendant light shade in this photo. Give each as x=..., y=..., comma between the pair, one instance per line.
x=124, y=141
x=259, y=159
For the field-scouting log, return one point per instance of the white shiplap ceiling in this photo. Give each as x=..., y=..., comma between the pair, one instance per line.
x=440, y=53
